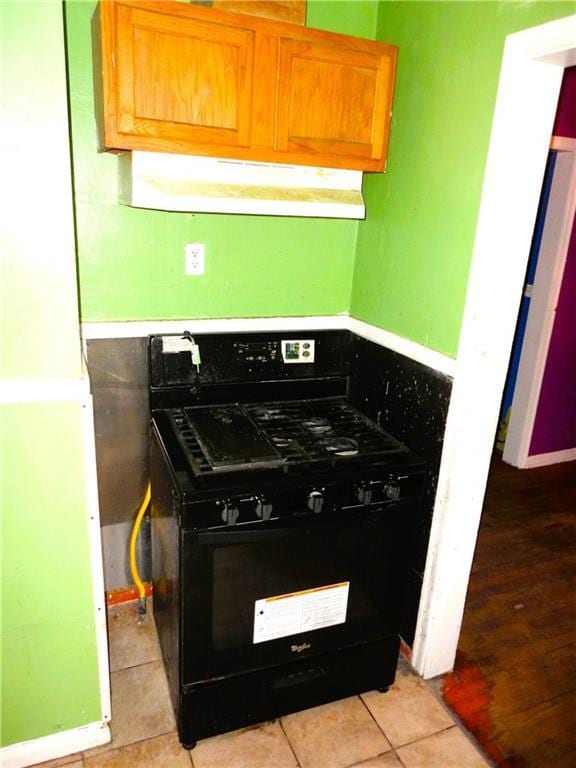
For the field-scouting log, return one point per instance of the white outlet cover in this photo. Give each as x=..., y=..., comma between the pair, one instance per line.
x=194, y=258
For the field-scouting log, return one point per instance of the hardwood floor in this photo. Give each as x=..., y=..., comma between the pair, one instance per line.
x=514, y=682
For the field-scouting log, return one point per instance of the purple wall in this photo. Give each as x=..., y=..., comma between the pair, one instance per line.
x=565, y=123
x=555, y=422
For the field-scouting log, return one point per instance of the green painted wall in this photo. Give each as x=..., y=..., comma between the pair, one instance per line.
x=38, y=296
x=349, y=17
x=131, y=262
x=414, y=250
x=49, y=661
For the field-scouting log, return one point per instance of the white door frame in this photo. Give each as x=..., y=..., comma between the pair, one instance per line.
x=530, y=79
x=558, y=223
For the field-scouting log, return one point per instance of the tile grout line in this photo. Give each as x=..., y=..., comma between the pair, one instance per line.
x=289, y=742
x=133, y=666
x=356, y=762
x=86, y=756
x=460, y=724
x=367, y=708
x=428, y=735
x=374, y=757
x=402, y=763
x=489, y=763
x=455, y=724
x=143, y=664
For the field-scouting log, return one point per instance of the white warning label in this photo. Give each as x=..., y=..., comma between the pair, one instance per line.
x=174, y=344
x=297, y=612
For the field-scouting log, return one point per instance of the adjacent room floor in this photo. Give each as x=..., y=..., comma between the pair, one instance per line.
x=514, y=684
x=408, y=727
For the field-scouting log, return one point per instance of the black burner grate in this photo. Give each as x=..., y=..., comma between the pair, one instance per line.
x=319, y=433
x=316, y=430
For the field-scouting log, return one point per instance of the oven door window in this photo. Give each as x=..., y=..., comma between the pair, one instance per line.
x=226, y=572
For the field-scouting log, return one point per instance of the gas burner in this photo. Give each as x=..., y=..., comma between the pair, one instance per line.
x=281, y=442
x=318, y=425
x=268, y=414
x=282, y=435
x=339, y=446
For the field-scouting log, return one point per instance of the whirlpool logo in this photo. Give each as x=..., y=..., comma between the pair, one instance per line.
x=300, y=648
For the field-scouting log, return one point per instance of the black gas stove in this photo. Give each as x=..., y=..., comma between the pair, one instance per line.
x=280, y=524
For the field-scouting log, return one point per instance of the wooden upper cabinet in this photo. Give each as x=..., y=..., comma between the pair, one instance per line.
x=188, y=79
x=334, y=100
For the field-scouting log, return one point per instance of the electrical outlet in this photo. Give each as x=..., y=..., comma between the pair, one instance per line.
x=194, y=259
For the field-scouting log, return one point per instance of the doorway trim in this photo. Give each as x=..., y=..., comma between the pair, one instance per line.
x=530, y=79
x=558, y=224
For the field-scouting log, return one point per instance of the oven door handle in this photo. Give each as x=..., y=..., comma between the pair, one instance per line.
x=250, y=535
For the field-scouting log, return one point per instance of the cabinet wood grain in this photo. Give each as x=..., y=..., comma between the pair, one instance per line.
x=293, y=11
x=333, y=101
x=188, y=79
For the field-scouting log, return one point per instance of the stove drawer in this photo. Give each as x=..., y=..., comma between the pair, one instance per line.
x=216, y=707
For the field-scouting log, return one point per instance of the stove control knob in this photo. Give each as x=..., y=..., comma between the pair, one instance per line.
x=364, y=494
x=230, y=513
x=316, y=501
x=392, y=491
x=263, y=508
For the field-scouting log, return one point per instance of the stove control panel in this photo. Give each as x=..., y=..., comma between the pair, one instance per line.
x=378, y=494
x=256, y=351
x=290, y=350
x=183, y=368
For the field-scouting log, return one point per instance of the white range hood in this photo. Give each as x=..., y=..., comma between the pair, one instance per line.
x=170, y=182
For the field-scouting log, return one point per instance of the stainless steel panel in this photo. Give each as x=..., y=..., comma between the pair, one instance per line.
x=115, y=543
x=118, y=371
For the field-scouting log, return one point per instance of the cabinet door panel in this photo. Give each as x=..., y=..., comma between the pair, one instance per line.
x=181, y=79
x=334, y=101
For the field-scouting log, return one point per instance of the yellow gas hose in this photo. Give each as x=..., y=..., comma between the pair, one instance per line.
x=133, y=564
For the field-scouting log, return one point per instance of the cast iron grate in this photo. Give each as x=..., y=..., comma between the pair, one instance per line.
x=319, y=434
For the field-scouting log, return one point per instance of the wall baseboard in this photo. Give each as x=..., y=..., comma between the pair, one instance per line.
x=137, y=329
x=13, y=391
x=563, y=144
x=544, y=459
x=54, y=746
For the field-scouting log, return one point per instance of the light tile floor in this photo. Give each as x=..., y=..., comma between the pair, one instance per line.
x=408, y=727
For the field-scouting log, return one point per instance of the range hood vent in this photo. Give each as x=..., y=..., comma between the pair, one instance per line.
x=170, y=182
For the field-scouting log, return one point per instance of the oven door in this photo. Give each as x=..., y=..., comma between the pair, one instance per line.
x=262, y=594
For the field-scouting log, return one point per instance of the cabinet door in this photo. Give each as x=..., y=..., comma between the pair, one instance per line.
x=180, y=81
x=335, y=101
